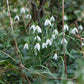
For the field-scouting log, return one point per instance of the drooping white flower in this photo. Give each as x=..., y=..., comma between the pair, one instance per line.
x=33, y=28
x=28, y=16
x=26, y=46
x=48, y=42
x=70, y=82
x=65, y=41
x=22, y=11
x=53, y=36
x=38, y=29
x=82, y=44
x=47, y=22
x=55, y=32
x=65, y=18
x=37, y=46
x=66, y=27
x=55, y=56
x=38, y=38
x=52, y=19
x=80, y=27
x=44, y=45
x=17, y=18
x=74, y=31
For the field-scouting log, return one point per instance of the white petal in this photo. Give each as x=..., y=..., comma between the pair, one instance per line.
x=55, y=56
x=22, y=10
x=47, y=22
x=26, y=46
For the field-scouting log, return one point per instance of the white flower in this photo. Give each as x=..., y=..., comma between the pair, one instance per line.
x=65, y=41
x=82, y=44
x=48, y=42
x=33, y=27
x=53, y=36
x=26, y=46
x=22, y=11
x=37, y=46
x=17, y=18
x=80, y=27
x=66, y=27
x=73, y=31
x=44, y=45
x=38, y=29
x=55, y=56
x=55, y=32
x=65, y=18
x=28, y=16
x=47, y=22
x=52, y=19
x=69, y=82
x=38, y=38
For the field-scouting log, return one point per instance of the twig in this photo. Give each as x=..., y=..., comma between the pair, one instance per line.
x=8, y=55
x=15, y=41
x=13, y=31
x=78, y=32
x=64, y=36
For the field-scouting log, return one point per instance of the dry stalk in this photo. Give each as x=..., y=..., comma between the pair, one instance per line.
x=64, y=37
x=16, y=42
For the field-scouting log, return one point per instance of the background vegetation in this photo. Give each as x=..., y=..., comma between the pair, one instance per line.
x=23, y=30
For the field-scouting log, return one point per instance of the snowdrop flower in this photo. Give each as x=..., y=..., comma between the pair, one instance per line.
x=65, y=41
x=69, y=82
x=38, y=38
x=52, y=19
x=38, y=29
x=33, y=27
x=65, y=18
x=44, y=45
x=26, y=46
x=73, y=31
x=28, y=16
x=17, y=18
x=37, y=46
x=66, y=27
x=47, y=22
x=53, y=36
x=55, y=32
x=55, y=56
x=48, y=42
x=22, y=11
x=80, y=27
x=82, y=44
